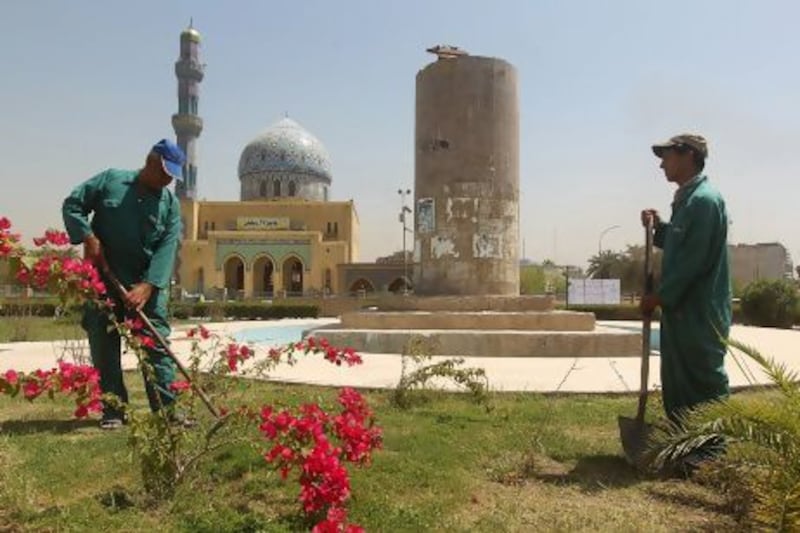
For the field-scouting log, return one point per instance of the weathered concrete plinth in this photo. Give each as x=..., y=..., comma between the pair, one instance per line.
x=471, y=320
x=484, y=343
x=467, y=303
x=454, y=326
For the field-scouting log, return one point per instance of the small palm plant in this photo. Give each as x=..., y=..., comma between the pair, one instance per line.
x=759, y=470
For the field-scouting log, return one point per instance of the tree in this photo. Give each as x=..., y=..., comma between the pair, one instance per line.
x=627, y=266
x=531, y=279
x=633, y=274
x=606, y=265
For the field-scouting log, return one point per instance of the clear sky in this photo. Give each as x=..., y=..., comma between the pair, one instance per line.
x=87, y=85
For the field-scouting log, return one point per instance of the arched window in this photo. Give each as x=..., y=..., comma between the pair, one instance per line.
x=276, y=188
x=263, y=191
x=292, y=188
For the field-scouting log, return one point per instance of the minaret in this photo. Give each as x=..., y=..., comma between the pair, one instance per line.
x=186, y=122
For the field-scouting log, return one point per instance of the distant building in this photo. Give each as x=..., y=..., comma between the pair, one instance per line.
x=751, y=262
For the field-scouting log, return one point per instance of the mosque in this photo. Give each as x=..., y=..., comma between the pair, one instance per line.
x=285, y=236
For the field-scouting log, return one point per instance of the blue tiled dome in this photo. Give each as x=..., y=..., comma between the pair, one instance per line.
x=285, y=148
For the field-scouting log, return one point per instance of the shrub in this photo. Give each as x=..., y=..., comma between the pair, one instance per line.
x=770, y=303
x=243, y=311
x=19, y=307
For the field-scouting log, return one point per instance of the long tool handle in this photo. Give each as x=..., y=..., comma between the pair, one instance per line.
x=163, y=342
x=646, y=321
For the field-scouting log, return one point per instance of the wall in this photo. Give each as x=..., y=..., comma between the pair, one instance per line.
x=750, y=262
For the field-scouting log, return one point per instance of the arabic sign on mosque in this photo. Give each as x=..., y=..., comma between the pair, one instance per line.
x=261, y=223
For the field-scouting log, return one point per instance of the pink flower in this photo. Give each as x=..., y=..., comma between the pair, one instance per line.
x=204, y=333
x=57, y=238
x=8, y=240
x=31, y=389
x=147, y=342
x=235, y=354
x=134, y=324
x=180, y=386
x=11, y=376
x=99, y=287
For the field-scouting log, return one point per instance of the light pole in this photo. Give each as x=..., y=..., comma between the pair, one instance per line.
x=403, y=210
x=600, y=240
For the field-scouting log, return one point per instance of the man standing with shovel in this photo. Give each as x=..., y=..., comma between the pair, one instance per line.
x=695, y=288
x=133, y=233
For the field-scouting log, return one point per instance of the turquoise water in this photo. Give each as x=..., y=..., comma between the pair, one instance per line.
x=655, y=334
x=655, y=339
x=273, y=335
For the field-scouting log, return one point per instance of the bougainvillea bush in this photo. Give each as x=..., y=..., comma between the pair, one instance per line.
x=311, y=445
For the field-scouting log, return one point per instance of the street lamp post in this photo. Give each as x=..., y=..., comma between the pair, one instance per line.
x=600, y=240
x=404, y=209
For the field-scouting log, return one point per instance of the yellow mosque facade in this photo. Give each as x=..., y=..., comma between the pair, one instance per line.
x=283, y=238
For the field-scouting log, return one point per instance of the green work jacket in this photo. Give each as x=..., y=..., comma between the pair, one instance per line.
x=139, y=228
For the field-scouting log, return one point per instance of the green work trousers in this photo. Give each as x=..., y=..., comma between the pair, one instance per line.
x=105, y=345
x=692, y=361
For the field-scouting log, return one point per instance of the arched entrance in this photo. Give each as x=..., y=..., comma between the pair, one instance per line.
x=234, y=276
x=263, y=282
x=400, y=286
x=327, y=282
x=293, y=276
x=361, y=286
x=201, y=281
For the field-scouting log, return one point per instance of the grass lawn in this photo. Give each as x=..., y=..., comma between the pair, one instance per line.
x=534, y=463
x=37, y=328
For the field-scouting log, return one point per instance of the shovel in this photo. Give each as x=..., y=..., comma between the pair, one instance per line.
x=164, y=345
x=633, y=432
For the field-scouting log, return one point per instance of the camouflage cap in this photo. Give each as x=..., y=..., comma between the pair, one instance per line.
x=694, y=142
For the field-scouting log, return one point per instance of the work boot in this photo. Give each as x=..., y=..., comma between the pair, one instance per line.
x=112, y=420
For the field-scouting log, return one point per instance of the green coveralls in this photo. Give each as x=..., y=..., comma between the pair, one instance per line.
x=695, y=292
x=139, y=232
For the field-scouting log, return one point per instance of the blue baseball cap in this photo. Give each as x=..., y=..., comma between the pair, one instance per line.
x=172, y=157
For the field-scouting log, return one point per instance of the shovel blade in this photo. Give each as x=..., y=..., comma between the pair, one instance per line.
x=634, y=434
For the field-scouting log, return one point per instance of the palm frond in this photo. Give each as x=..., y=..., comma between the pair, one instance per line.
x=778, y=373
x=761, y=440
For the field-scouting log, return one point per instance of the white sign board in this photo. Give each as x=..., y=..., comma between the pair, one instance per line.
x=594, y=291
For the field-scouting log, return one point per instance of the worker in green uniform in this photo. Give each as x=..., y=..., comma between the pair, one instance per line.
x=695, y=288
x=134, y=230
